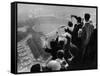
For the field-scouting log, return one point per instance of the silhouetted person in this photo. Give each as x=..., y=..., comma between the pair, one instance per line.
x=61, y=40
x=70, y=24
x=61, y=60
x=75, y=39
x=87, y=31
x=53, y=50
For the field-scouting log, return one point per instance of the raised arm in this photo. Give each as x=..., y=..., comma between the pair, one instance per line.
x=74, y=16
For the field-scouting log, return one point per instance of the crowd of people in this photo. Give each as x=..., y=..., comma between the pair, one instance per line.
x=74, y=49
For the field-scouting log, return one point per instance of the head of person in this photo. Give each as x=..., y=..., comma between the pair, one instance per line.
x=53, y=43
x=53, y=65
x=35, y=68
x=87, y=17
x=60, y=54
x=61, y=42
x=70, y=24
x=79, y=19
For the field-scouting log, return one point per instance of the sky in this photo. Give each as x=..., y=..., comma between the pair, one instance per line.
x=46, y=18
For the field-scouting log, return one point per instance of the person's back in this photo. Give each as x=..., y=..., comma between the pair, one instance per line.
x=75, y=38
x=87, y=31
x=89, y=52
x=78, y=25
